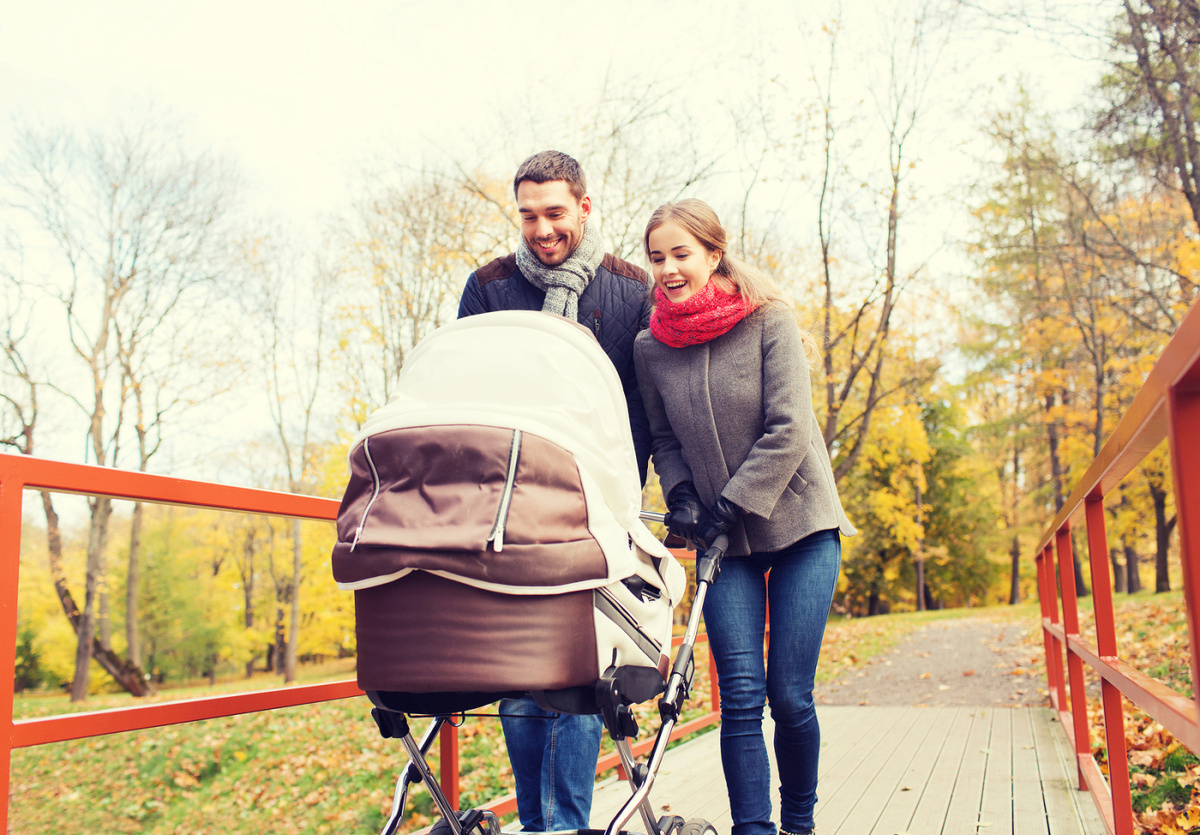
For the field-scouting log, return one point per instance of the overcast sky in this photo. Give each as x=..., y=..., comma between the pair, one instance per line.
x=301, y=93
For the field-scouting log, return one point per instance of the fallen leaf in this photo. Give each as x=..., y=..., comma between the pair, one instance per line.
x=968, y=672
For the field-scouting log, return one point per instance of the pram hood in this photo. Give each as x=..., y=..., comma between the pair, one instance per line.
x=539, y=374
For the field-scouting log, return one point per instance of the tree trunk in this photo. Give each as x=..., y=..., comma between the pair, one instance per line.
x=873, y=599
x=133, y=637
x=1118, y=570
x=1014, y=589
x=1162, y=538
x=1133, y=583
x=248, y=551
x=280, y=649
x=129, y=676
x=87, y=632
x=293, y=640
x=921, y=590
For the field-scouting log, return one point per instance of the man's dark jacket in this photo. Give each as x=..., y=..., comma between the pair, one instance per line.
x=614, y=306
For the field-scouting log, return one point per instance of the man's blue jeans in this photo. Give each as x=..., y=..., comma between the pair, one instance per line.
x=802, y=581
x=553, y=758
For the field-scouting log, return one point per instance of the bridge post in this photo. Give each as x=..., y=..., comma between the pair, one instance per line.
x=10, y=570
x=1066, y=573
x=1054, y=660
x=1184, y=418
x=1106, y=643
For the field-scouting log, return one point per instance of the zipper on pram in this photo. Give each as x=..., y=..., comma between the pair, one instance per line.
x=497, y=535
x=375, y=495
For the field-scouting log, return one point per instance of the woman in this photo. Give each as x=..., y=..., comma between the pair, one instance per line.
x=736, y=446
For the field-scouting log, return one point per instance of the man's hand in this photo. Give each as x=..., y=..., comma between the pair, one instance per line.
x=683, y=510
x=719, y=520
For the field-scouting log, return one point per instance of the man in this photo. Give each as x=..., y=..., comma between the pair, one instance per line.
x=561, y=268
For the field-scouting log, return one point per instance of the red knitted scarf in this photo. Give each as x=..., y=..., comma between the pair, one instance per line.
x=704, y=316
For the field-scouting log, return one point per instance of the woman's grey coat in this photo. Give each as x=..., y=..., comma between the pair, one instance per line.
x=734, y=416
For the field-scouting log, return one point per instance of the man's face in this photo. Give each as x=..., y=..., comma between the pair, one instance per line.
x=551, y=219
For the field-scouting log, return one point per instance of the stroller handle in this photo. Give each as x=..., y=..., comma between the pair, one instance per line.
x=652, y=516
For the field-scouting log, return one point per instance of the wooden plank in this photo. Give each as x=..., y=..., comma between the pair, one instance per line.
x=858, y=801
x=898, y=770
x=962, y=812
x=995, y=807
x=841, y=755
x=695, y=785
x=938, y=791
x=1068, y=810
x=689, y=784
x=1029, y=807
x=918, y=777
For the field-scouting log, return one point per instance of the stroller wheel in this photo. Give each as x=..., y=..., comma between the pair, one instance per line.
x=698, y=826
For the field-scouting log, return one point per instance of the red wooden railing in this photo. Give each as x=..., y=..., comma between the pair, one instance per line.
x=1167, y=406
x=19, y=473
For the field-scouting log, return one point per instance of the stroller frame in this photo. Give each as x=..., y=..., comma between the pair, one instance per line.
x=618, y=720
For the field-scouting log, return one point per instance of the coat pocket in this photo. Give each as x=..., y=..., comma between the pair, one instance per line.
x=797, y=484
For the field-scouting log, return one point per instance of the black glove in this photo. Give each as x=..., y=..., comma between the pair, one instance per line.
x=719, y=520
x=684, y=510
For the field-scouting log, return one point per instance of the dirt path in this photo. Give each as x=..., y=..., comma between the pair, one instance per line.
x=967, y=662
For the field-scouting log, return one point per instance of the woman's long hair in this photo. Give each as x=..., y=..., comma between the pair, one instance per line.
x=733, y=275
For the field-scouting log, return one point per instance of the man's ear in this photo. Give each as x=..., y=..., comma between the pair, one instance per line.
x=585, y=208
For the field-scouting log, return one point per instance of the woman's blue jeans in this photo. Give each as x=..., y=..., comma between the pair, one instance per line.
x=802, y=581
x=553, y=758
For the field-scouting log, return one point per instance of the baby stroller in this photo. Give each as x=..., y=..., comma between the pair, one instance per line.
x=491, y=532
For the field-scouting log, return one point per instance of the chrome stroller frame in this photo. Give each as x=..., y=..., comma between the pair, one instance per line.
x=618, y=720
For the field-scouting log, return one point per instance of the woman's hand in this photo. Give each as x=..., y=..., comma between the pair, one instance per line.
x=684, y=510
x=719, y=520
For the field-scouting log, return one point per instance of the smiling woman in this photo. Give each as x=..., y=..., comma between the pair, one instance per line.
x=725, y=380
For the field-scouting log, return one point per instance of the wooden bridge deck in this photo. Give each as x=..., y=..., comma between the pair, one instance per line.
x=902, y=771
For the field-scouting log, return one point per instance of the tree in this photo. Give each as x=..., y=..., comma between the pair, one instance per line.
x=885, y=494
x=1023, y=235
x=406, y=252
x=959, y=519
x=292, y=299
x=135, y=222
x=857, y=315
x=1153, y=94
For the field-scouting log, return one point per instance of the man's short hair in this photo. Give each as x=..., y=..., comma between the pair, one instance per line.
x=549, y=166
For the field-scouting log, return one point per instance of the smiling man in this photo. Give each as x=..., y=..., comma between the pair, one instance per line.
x=560, y=267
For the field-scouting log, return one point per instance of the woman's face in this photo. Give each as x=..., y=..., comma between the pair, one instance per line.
x=681, y=264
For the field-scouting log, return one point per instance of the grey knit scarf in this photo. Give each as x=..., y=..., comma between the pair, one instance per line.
x=563, y=284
